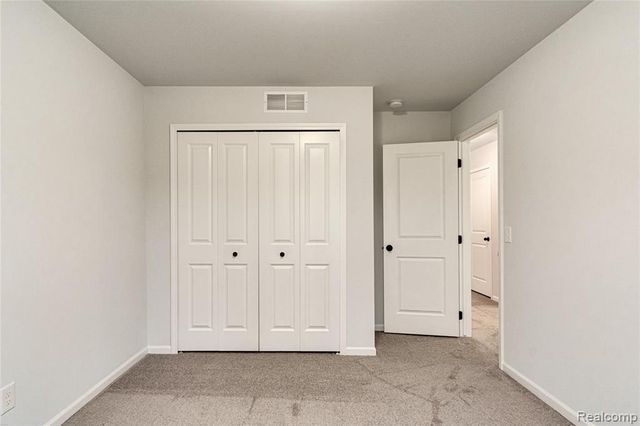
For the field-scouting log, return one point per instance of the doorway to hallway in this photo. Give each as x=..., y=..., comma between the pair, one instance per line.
x=482, y=222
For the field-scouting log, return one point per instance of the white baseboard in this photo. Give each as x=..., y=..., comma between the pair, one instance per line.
x=379, y=327
x=495, y=299
x=159, y=349
x=358, y=351
x=562, y=408
x=70, y=410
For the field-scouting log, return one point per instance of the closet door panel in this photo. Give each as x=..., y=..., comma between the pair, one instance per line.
x=197, y=242
x=238, y=247
x=279, y=242
x=320, y=247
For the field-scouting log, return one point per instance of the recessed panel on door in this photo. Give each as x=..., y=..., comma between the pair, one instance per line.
x=201, y=286
x=317, y=301
x=284, y=294
x=420, y=195
x=284, y=202
x=235, y=190
x=421, y=286
x=317, y=173
x=235, y=298
x=201, y=183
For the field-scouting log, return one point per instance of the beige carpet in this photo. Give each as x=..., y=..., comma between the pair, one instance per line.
x=485, y=321
x=413, y=380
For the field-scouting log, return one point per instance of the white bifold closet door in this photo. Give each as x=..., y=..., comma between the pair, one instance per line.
x=218, y=241
x=299, y=241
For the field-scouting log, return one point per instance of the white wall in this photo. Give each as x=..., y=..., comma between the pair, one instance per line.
x=571, y=169
x=389, y=128
x=485, y=155
x=73, y=278
x=180, y=105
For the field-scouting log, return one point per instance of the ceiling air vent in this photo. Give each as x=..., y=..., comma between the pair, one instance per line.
x=285, y=102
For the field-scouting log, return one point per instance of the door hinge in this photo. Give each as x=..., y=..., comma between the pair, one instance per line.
x=460, y=315
x=459, y=239
x=459, y=162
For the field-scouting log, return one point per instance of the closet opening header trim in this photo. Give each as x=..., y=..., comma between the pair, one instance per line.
x=258, y=131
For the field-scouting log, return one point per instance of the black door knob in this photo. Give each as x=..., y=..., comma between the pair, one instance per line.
x=235, y=254
x=281, y=254
x=389, y=247
x=487, y=239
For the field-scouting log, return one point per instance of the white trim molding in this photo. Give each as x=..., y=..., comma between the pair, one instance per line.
x=358, y=351
x=76, y=405
x=562, y=408
x=379, y=327
x=271, y=127
x=165, y=349
x=1, y=382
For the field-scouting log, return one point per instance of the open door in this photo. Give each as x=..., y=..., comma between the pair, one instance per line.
x=421, y=275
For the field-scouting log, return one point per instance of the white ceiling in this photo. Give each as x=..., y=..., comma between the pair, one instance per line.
x=431, y=54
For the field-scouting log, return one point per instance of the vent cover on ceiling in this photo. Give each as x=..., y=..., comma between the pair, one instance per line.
x=285, y=101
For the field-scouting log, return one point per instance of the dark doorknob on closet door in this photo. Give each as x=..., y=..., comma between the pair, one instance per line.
x=281, y=254
x=389, y=247
x=487, y=239
x=234, y=254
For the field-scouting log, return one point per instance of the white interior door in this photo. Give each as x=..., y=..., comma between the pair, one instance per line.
x=217, y=218
x=279, y=241
x=421, y=276
x=238, y=248
x=319, y=241
x=481, y=278
x=197, y=241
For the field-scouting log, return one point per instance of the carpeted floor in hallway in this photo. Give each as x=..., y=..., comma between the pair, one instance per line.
x=485, y=321
x=412, y=380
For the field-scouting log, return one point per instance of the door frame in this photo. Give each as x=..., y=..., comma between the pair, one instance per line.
x=255, y=127
x=464, y=137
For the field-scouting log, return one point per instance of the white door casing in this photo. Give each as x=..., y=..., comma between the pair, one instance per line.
x=217, y=291
x=481, y=218
x=421, y=272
